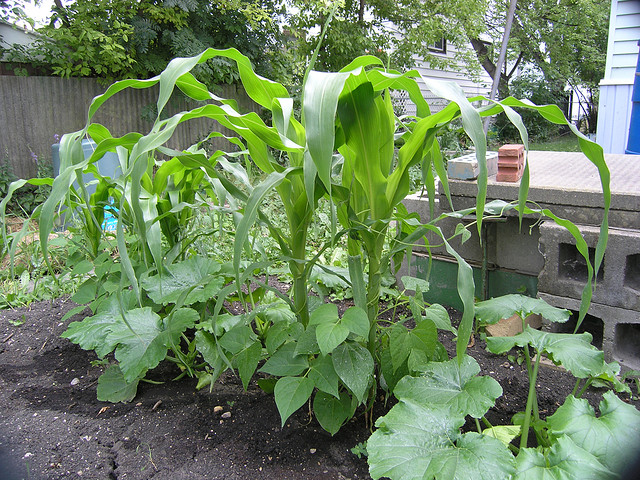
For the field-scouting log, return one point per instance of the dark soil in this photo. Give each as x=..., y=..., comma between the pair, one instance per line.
x=52, y=426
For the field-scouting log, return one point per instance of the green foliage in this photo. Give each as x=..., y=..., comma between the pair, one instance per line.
x=364, y=27
x=492, y=311
x=540, y=91
x=27, y=199
x=419, y=441
x=112, y=39
x=420, y=437
x=157, y=297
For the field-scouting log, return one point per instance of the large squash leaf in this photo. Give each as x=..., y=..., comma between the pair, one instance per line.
x=563, y=461
x=452, y=384
x=492, y=311
x=613, y=438
x=195, y=275
x=112, y=386
x=414, y=442
x=572, y=351
x=143, y=342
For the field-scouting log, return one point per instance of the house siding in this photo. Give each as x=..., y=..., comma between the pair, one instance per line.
x=456, y=73
x=615, y=89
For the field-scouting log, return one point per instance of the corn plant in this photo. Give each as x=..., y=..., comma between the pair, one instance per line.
x=347, y=146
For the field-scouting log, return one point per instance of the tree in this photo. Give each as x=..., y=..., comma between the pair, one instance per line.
x=397, y=31
x=114, y=39
x=565, y=39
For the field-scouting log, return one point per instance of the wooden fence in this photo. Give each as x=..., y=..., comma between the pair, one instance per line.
x=36, y=111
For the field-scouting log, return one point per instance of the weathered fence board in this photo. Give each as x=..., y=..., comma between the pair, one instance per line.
x=34, y=110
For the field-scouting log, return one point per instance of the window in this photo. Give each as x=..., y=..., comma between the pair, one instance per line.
x=438, y=47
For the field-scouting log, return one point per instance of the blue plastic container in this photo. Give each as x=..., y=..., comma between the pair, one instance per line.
x=108, y=166
x=633, y=143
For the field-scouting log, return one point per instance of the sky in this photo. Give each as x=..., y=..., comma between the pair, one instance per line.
x=39, y=13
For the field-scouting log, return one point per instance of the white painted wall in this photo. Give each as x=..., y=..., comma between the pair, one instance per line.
x=457, y=73
x=614, y=107
x=11, y=34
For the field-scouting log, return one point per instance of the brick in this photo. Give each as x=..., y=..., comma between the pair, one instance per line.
x=510, y=161
x=511, y=150
x=509, y=174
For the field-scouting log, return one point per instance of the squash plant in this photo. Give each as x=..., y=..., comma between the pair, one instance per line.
x=420, y=436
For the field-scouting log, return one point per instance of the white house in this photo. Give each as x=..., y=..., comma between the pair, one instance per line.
x=614, y=108
x=11, y=34
x=457, y=72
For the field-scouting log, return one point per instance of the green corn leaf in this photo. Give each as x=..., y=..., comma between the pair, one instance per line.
x=473, y=127
x=564, y=461
x=251, y=213
x=357, y=64
x=113, y=388
x=331, y=412
x=572, y=351
x=356, y=275
x=466, y=290
x=613, y=438
x=320, y=102
x=383, y=80
x=451, y=384
x=290, y=394
x=414, y=442
x=361, y=114
x=354, y=365
x=492, y=311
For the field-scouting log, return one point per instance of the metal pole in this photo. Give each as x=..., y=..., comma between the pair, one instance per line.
x=503, y=54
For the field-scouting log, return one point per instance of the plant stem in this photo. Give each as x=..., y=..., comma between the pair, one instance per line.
x=530, y=401
x=584, y=387
x=478, y=427
x=486, y=422
x=575, y=388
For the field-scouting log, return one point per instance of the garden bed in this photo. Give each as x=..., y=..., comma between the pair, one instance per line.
x=52, y=426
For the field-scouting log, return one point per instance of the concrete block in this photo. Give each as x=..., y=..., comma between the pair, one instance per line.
x=565, y=271
x=621, y=329
x=466, y=167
